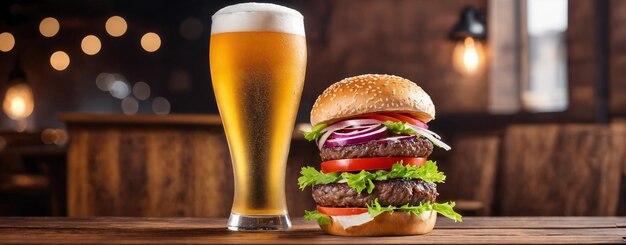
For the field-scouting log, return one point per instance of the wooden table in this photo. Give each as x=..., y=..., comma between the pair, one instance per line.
x=474, y=230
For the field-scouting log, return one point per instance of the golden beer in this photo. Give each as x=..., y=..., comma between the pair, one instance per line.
x=258, y=75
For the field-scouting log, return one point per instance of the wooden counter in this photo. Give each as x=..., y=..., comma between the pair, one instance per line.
x=160, y=166
x=474, y=230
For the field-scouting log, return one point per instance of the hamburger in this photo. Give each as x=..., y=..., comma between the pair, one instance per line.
x=375, y=178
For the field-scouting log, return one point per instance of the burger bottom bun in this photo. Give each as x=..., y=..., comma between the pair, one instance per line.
x=386, y=224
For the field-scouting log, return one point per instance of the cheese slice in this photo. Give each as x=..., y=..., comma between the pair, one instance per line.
x=348, y=221
x=352, y=220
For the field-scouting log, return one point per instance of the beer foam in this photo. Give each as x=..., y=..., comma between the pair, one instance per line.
x=251, y=17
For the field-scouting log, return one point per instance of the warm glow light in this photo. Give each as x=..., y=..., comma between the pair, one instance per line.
x=150, y=42
x=54, y=136
x=18, y=102
x=7, y=41
x=116, y=26
x=59, y=60
x=91, y=45
x=468, y=56
x=49, y=27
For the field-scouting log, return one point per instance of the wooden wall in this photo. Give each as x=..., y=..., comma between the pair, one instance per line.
x=404, y=37
x=561, y=169
x=617, y=64
x=584, y=43
x=582, y=59
x=408, y=38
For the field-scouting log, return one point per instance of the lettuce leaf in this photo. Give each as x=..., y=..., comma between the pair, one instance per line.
x=322, y=219
x=315, y=132
x=399, y=128
x=446, y=209
x=429, y=172
x=375, y=209
x=360, y=181
x=310, y=176
x=364, y=179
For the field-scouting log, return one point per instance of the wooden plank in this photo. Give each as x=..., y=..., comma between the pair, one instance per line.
x=504, y=63
x=582, y=70
x=618, y=127
x=162, y=170
x=471, y=171
x=172, y=119
x=580, y=222
x=297, y=237
x=561, y=170
x=157, y=171
x=617, y=63
x=213, y=231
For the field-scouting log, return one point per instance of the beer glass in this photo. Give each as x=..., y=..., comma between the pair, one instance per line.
x=258, y=60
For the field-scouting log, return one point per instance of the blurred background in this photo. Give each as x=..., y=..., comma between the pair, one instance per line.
x=108, y=108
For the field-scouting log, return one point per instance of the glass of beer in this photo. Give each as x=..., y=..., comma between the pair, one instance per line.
x=258, y=61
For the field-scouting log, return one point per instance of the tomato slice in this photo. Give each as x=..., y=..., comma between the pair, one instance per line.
x=395, y=117
x=375, y=163
x=379, y=117
x=406, y=118
x=340, y=211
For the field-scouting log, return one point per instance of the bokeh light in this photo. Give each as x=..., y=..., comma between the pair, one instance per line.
x=151, y=42
x=7, y=42
x=191, y=28
x=59, y=60
x=119, y=89
x=91, y=45
x=54, y=136
x=104, y=81
x=141, y=90
x=116, y=26
x=130, y=106
x=161, y=106
x=49, y=27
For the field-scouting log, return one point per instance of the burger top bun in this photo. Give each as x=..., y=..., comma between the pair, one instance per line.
x=372, y=93
x=386, y=224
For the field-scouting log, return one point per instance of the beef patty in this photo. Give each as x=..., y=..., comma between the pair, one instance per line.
x=394, y=192
x=417, y=147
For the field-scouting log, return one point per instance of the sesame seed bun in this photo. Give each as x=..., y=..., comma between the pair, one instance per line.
x=386, y=224
x=372, y=93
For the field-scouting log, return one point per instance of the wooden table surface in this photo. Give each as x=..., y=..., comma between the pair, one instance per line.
x=474, y=230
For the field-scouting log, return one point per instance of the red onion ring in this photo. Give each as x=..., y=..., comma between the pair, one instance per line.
x=352, y=128
x=364, y=130
x=380, y=132
x=396, y=138
x=341, y=125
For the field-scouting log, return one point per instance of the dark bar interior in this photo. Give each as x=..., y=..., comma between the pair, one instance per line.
x=109, y=109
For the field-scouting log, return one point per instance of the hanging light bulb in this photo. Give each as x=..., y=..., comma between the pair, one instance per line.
x=468, y=56
x=18, y=103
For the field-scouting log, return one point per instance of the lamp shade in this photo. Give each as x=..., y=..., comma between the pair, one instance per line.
x=469, y=25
